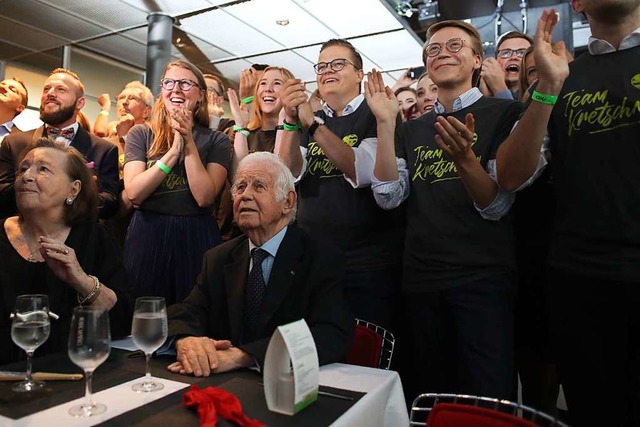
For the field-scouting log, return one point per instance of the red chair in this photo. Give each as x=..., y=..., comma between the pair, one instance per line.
x=373, y=346
x=458, y=410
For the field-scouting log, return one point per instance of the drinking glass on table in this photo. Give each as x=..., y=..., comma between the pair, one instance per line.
x=29, y=329
x=89, y=346
x=149, y=332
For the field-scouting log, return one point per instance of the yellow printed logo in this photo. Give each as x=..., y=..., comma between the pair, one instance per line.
x=350, y=140
x=635, y=81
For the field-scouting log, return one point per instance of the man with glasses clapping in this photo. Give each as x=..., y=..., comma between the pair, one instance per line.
x=333, y=159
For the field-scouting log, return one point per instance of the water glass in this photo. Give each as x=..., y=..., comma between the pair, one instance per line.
x=149, y=332
x=29, y=329
x=89, y=347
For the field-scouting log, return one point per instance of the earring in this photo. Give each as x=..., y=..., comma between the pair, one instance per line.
x=69, y=201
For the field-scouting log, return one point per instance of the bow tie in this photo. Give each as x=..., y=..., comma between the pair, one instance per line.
x=54, y=133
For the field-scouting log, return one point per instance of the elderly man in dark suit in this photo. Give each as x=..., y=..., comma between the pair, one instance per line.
x=274, y=275
x=62, y=99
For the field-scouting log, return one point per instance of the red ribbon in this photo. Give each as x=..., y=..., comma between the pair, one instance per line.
x=214, y=401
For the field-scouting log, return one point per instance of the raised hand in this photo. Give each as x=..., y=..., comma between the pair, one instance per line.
x=380, y=98
x=240, y=112
x=493, y=75
x=248, y=80
x=62, y=261
x=456, y=138
x=293, y=97
x=551, y=59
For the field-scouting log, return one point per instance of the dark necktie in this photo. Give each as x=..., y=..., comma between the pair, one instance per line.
x=53, y=133
x=255, y=292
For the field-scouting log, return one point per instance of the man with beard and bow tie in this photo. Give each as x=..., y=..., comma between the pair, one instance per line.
x=62, y=98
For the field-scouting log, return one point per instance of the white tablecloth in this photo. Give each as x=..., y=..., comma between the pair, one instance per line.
x=384, y=403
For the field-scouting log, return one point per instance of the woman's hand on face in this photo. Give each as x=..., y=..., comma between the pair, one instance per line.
x=239, y=111
x=62, y=260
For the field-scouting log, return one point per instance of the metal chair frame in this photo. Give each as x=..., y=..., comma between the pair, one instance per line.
x=426, y=401
x=388, y=343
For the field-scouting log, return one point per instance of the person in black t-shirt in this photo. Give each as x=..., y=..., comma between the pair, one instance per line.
x=333, y=160
x=458, y=275
x=589, y=111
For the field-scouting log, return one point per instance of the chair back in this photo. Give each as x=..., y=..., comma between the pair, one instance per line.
x=459, y=410
x=373, y=346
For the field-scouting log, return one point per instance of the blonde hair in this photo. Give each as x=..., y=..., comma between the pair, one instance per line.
x=161, y=121
x=256, y=116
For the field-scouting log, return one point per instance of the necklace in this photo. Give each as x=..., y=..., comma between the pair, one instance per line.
x=26, y=238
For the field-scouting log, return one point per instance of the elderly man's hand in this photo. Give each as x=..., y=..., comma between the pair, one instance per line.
x=228, y=360
x=198, y=355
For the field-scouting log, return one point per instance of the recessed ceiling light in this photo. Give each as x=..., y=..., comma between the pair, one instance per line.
x=282, y=22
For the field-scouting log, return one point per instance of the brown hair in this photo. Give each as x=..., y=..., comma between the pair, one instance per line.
x=160, y=120
x=83, y=121
x=256, y=115
x=80, y=92
x=217, y=80
x=356, y=58
x=85, y=206
x=24, y=99
x=476, y=41
x=512, y=35
x=522, y=78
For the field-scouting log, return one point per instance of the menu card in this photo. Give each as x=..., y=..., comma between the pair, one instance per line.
x=291, y=369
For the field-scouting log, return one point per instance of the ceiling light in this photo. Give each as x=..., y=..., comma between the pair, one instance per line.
x=282, y=22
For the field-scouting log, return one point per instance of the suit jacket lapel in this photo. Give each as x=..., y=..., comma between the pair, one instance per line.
x=81, y=141
x=282, y=275
x=38, y=133
x=235, y=274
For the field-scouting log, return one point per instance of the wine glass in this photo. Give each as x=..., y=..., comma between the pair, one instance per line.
x=89, y=346
x=29, y=329
x=149, y=332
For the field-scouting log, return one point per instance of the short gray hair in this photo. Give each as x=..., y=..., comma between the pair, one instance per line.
x=284, y=181
x=143, y=91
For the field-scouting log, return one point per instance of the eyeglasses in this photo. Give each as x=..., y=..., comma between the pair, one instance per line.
x=213, y=90
x=508, y=53
x=453, y=45
x=184, y=84
x=335, y=65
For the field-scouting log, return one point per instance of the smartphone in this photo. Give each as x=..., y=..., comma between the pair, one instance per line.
x=415, y=72
x=259, y=67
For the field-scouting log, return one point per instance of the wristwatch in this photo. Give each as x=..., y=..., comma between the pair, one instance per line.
x=317, y=121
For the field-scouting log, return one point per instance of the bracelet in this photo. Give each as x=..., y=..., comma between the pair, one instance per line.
x=93, y=295
x=290, y=127
x=240, y=129
x=280, y=127
x=544, y=99
x=164, y=168
x=104, y=112
x=246, y=100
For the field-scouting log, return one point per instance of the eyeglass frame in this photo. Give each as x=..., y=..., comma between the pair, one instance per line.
x=330, y=65
x=181, y=82
x=519, y=53
x=214, y=90
x=463, y=43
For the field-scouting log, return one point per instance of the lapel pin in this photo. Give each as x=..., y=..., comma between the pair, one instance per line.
x=293, y=273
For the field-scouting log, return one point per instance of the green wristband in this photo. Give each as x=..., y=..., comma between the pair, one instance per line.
x=240, y=129
x=290, y=127
x=246, y=100
x=544, y=99
x=164, y=168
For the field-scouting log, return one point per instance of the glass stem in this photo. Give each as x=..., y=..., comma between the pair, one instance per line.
x=87, y=387
x=147, y=375
x=29, y=359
